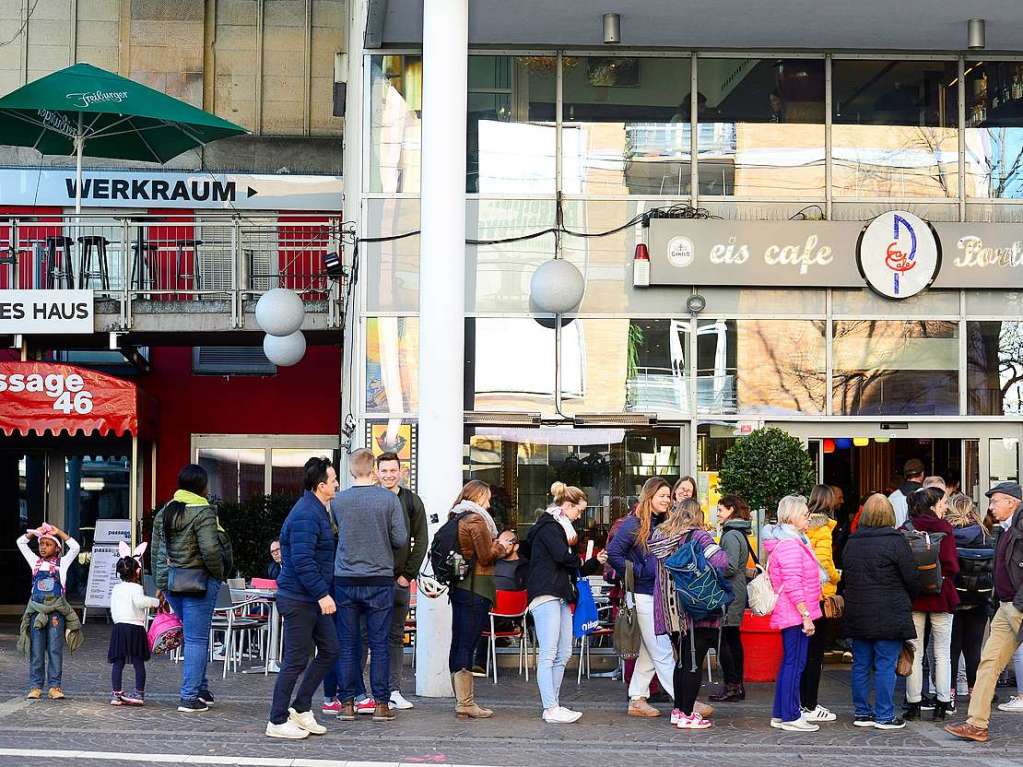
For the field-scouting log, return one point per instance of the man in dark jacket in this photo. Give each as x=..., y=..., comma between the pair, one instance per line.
x=1006, y=503
x=407, y=561
x=304, y=600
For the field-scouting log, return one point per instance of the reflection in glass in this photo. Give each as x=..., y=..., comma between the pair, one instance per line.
x=994, y=129
x=396, y=105
x=287, y=469
x=392, y=362
x=236, y=474
x=895, y=367
x=392, y=284
x=894, y=128
x=510, y=363
x=626, y=126
x=609, y=464
x=511, y=132
x=765, y=367
x=1004, y=460
x=761, y=127
x=994, y=368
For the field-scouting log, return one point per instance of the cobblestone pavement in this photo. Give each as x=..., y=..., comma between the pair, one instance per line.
x=430, y=734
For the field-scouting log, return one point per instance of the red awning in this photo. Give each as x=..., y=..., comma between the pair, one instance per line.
x=43, y=397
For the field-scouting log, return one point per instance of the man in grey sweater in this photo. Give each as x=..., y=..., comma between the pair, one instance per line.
x=371, y=528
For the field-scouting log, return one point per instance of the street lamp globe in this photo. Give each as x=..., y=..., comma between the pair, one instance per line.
x=556, y=287
x=279, y=312
x=284, y=351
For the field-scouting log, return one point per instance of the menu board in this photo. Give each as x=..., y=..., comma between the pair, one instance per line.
x=102, y=575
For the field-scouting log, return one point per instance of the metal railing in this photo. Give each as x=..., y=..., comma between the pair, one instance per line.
x=174, y=263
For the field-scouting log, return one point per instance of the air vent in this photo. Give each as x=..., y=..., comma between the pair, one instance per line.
x=231, y=360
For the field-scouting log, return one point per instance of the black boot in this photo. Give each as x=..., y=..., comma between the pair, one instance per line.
x=941, y=709
x=911, y=712
x=729, y=694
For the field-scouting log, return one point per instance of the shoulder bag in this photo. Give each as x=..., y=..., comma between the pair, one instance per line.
x=904, y=665
x=183, y=581
x=760, y=593
x=627, y=636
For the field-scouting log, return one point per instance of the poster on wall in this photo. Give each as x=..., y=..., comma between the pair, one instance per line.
x=395, y=436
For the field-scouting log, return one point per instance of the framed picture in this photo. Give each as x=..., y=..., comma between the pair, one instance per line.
x=613, y=72
x=395, y=437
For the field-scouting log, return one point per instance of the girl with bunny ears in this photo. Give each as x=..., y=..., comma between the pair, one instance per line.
x=128, y=642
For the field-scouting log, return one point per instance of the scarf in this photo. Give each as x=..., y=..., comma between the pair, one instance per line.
x=565, y=522
x=189, y=498
x=475, y=508
x=782, y=532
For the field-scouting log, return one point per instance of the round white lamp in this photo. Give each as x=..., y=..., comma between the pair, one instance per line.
x=280, y=312
x=284, y=351
x=556, y=287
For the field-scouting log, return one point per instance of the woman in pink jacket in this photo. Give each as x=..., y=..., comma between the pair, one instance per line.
x=796, y=577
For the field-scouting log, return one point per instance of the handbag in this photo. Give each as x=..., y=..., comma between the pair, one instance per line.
x=833, y=606
x=760, y=594
x=166, y=633
x=904, y=665
x=185, y=581
x=627, y=636
x=585, y=619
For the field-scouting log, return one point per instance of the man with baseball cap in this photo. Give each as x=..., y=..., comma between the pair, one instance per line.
x=1006, y=503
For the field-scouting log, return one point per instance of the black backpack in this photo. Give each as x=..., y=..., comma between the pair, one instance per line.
x=925, y=547
x=975, y=581
x=446, y=559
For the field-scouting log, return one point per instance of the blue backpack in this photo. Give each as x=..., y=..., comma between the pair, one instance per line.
x=701, y=590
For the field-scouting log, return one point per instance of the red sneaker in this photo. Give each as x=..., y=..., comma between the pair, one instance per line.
x=334, y=707
x=367, y=706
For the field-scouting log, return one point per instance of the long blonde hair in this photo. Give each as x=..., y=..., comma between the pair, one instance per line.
x=962, y=511
x=475, y=490
x=645, y=511
x=684, y=516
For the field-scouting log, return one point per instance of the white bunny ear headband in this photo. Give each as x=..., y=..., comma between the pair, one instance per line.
x=124, y=550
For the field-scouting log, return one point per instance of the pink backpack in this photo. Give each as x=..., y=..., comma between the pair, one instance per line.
x=166, y=633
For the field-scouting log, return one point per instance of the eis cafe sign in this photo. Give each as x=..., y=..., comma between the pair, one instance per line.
x=897, y=255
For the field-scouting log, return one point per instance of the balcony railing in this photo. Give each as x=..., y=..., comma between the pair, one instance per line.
x=168, y=263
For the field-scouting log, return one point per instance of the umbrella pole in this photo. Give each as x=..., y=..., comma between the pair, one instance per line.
x=79, y=148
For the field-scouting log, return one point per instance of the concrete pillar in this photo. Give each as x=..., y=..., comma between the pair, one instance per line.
x=441, y=303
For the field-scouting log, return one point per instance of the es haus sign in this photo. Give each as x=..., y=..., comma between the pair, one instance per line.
x=897, y=254
x=55, y=312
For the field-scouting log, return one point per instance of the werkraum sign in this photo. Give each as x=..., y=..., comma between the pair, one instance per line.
x=896, y=254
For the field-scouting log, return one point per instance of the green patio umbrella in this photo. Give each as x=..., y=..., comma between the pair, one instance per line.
x=84, y=110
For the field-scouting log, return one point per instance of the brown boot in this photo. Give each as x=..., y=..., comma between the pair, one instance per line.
x=347, y=712
x=465, y=701
x=703, y=709
x=967, y=731
x=382, y=713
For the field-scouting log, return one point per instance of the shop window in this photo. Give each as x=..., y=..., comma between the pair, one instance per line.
x=239, y=474
x=994, y=129
x=994, y=368
x=895, y=367
x=510, y=364
x=762, y=367
x=235, y=474
x=626, y=127
x=395, y=131
x=761, y=127
x=510, y=140
x=1004, y=460
x=287, y=469
x=392, y=364
x=894, y=128
x=392, y=284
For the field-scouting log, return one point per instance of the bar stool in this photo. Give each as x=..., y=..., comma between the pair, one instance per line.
x=90, y=243
x=181, y=267
x=9, y=257
x=144, y=265
x=60, y=272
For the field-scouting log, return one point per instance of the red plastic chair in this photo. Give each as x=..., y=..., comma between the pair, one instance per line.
x=511, y=605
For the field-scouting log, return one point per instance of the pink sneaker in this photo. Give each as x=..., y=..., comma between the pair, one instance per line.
x=334, y=707
x=694, y=722
x=676, y=717
x=367, y=706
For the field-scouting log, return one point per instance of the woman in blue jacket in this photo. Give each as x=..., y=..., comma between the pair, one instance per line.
x=630, y=545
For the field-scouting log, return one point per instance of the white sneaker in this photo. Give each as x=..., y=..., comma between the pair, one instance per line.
x=289, y=730
x=399, y=702
x=776, y=722
x=1015, y=704
x=570, y=712
x=306, y=721
x=559, y=715
x=694, y=722
x=799, y=725
x=819, y=714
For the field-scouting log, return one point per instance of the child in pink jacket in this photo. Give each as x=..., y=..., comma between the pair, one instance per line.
x=796, y=576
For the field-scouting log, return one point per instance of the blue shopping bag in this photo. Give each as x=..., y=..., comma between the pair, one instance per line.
x=585, y=620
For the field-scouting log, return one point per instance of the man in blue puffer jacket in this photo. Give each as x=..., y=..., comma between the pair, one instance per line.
x=303, y=598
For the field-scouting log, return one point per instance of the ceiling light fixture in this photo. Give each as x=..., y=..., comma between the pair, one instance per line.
x=976, y=39
x=612, y=28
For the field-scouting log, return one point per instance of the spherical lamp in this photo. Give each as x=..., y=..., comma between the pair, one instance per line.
x=284, y=351
x=843, y=443
x=882, y=440
x=280, y=312
x=861, y=441
x=829, y=446
x=556, y=287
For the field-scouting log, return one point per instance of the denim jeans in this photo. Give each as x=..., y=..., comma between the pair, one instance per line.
x=786, y=689
x=376, y=603
x=304, y=627
x=941, y=631
x=469, y=616
x=47, y=652
x=553, y=623
x=877, y=656
x=196, y=615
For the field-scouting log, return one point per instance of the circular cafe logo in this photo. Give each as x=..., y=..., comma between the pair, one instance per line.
x=898, y=254
x=681, y=252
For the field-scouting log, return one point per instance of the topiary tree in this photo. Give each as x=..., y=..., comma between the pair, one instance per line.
x=764, y=467
x=252, y=525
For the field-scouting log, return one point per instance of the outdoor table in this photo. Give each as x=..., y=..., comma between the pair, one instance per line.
x=271, y=666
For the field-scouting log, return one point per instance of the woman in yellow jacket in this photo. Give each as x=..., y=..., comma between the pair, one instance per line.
x=822, y=525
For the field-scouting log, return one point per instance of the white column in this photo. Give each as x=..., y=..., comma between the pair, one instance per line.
x=441, y=303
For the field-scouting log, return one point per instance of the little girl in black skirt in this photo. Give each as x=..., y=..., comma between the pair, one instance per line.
x=128, y=642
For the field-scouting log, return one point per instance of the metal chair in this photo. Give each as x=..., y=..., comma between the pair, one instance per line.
x=511, y=605
x=60, y=271
x=606, y=629
x=90, y=243
x=183, y=271
x=227, y=621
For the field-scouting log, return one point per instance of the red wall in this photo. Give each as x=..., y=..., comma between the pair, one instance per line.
x=303, y=399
